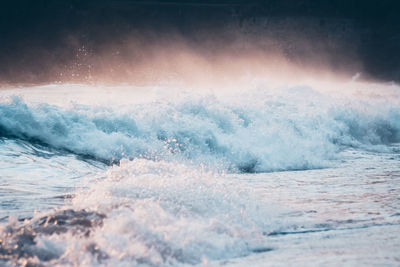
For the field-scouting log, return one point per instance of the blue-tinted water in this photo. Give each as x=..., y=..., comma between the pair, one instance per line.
x=268, y=177
x=34, y=177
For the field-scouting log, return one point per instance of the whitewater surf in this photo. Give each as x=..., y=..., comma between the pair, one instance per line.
x=187, y=177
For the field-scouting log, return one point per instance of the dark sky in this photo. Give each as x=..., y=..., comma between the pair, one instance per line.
x=41, y=39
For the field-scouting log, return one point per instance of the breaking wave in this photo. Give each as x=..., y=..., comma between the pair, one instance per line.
x=256, y=132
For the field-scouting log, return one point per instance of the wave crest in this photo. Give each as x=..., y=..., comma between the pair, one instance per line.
x=252, y=133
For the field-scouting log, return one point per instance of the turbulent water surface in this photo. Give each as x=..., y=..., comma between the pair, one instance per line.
x=159, y=176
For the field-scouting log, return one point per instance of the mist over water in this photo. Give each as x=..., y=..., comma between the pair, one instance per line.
x=139, y=41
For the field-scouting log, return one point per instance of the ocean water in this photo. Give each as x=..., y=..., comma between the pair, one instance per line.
x=96, y=175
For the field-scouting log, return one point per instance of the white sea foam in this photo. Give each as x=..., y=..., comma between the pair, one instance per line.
x=159, y=212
